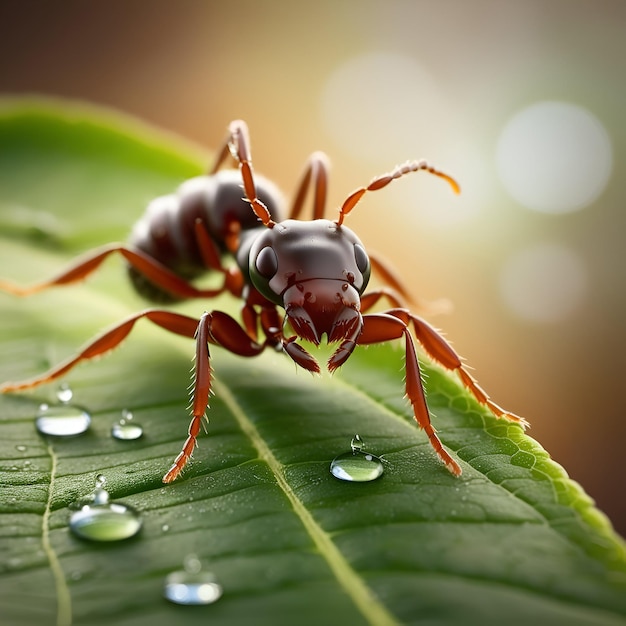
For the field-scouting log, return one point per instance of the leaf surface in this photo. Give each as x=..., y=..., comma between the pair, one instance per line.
x=513, y=540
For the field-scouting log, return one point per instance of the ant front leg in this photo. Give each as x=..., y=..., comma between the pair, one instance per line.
x=143, y=263
x=220, y=329
x=441, y=352
x=381, y=327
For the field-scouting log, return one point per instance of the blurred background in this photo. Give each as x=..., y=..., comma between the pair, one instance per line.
x=522, y=101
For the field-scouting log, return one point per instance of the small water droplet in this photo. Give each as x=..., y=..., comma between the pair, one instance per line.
x=191, y=585
x=62, y=420
x=165, y=528
x=99, y=519
x=356, y=466
x=20, y=448
x=64, y=393
x=126, y=429
x=357, y=444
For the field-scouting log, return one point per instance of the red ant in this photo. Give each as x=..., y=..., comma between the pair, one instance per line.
x=317, y=271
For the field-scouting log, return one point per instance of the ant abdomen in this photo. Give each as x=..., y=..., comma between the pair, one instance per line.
x=167, y=229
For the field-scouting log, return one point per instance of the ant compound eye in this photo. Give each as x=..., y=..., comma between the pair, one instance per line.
x=362, y=260
x=266, y=262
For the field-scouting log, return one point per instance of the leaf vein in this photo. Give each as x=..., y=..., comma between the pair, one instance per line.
x=64, y=600
x=365, y=601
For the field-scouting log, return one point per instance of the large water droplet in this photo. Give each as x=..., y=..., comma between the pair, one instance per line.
x=62, y=420
x=126, y=429
x=191, y=585
x=357, y=466
x=98, y=519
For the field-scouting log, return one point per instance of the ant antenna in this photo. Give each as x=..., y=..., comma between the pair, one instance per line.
x=382, y=181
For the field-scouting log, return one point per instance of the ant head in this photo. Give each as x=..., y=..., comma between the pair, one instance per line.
x=296, y=252
x=316, y=270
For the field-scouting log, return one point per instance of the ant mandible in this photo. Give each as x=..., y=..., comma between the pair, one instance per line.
x=317, y=271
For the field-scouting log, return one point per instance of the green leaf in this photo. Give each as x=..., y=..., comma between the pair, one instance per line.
x=511, y=541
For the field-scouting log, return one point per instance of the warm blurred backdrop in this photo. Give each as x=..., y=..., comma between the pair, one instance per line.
x=524, y=102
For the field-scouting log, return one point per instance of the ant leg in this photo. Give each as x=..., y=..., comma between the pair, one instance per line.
x=369, y=299
x=384, y=327
x=240, y=148
x=233, y=278
x=143, y=263
x=382, y=181
x=221, y=329
x=399, y=294
x=316, y=174
x=217, y=327
x=222, y=155
x=388, y=275
x=441, y=352
x=107, y=341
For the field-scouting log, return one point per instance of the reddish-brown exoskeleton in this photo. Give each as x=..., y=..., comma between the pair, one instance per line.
x=317, y=271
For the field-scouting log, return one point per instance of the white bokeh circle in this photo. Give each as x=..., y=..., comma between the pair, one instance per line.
x=554, y=157
x=383, y=106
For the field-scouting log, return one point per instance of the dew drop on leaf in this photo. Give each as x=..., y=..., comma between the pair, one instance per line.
x=64, y=393
x=62, y=420
x=356, y=466
x=191, y=585
x=126, y=429
x=98, y=519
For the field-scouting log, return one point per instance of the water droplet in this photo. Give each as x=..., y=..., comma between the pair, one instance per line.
x=357, y=444
x=101, y=481
x=191, y=585
x=126, y=429
x=64, y=419
x=99, y=519
x=20, y=448
x=356, y=466
x=165, y=527
x=64, y=393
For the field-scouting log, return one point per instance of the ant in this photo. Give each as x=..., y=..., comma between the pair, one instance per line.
x=316, y=271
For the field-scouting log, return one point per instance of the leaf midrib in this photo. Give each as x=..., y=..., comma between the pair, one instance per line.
x=359, y=592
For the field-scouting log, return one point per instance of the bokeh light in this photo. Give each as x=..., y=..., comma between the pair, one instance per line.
x=554, y=157
x=379, y=106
